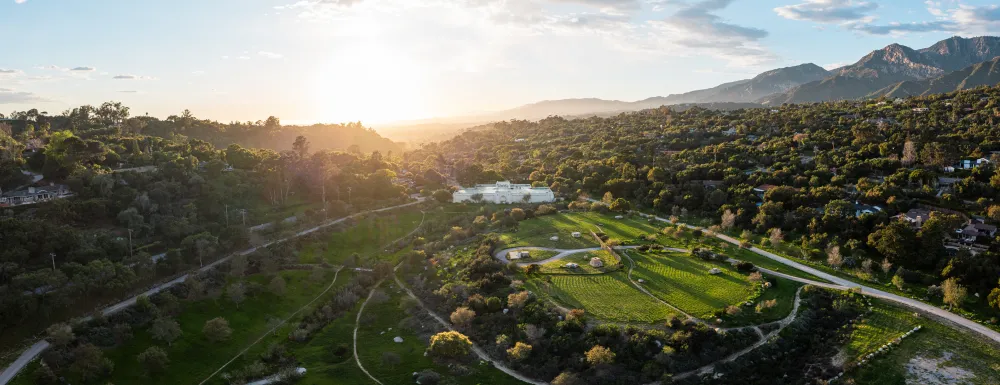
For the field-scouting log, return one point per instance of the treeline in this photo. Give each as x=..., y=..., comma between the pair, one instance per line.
x=268, y=133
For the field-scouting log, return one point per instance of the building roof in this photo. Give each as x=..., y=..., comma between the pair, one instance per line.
x=765, y=187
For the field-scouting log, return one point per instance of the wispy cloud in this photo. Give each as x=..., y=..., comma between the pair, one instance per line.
x=8, y=96
x=20, y=1
x=83, y=69
x=270, y=55
x=695, y=27
x=857, y=15
x=132, y=77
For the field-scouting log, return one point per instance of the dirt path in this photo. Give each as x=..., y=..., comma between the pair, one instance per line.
x=357, y=325
x=764, y=340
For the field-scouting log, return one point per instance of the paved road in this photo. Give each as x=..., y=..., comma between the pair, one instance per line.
x=40, y=346
x=843, y=283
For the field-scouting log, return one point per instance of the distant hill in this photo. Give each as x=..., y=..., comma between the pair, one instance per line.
x=892, y=65
x=740, y=91
x=982, y=74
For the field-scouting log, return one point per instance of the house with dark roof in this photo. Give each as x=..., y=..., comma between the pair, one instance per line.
x=33, y=195
x=916, y=217
x=976, y=230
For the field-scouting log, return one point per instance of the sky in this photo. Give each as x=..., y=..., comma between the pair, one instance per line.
x=379, y=61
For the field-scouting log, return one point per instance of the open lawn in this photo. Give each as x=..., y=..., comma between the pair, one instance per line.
x=683, y=281
x=582, y=259
x=364, y=238
x=537, y=231
x=606, y=296
x=947, y=352
x=782, y=290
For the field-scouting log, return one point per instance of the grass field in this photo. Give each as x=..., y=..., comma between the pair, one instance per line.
x=683, y=281
x=364, y=238
x=968, y=352
x=537, y=231
x=607, y=296
x=583, y=259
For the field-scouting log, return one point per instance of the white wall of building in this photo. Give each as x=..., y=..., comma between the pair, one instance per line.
x=505, y=192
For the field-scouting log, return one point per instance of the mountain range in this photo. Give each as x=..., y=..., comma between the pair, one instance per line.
x=894, y=71
x=891, y=66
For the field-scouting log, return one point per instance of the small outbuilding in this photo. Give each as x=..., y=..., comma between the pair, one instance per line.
x=715, y=271
x=572, y=265
x=596, y=262
x=576, y=234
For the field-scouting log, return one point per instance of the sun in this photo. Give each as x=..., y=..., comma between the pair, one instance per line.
x=371, y=83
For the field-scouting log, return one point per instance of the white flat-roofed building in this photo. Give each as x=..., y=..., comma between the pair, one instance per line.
x=504, y=192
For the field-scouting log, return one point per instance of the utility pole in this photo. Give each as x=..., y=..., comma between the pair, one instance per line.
x=227, y=215
x=348, y=195
x=130, y=243
x=53, y=256
x=244, y=211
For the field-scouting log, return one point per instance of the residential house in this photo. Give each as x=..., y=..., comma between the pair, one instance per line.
x=518, y=254
x=862, y=209
x=33, y=195
x=916, y=217
x=730, y=132
x=976, y=230
x=763, y=189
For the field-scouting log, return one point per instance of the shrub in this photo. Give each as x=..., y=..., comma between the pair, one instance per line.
x=519, y=352
x=154, y=360
x=599, y=355
x=450, y=344
x=217, y=329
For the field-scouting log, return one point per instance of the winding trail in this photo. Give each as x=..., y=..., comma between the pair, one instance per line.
x=357, y=325
x=763, y=340
x=37, y=348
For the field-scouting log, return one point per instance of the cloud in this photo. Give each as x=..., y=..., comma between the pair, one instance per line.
x=7, y=71
x=856, y=15
x=695, y=27
x=903, y=28
x=8, y=96
x=129, y=92
x=132, y=77
x=829, y=11
x=833, y=66
x=606, y=4
x=270, y=55
x=968, y=19
x=83, y=69
x=20, y=1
